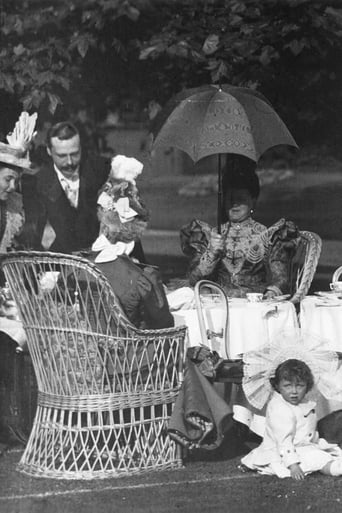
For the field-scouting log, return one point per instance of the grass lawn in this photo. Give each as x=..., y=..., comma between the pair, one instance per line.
x=312, y=198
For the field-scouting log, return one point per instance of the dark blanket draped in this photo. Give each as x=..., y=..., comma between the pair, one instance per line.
x=200, y=416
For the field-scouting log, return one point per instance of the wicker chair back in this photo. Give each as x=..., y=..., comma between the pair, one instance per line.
x=105, y=389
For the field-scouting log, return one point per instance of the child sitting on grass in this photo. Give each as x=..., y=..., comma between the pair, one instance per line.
x=291, y=446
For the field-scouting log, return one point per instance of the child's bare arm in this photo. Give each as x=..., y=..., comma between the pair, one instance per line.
x=296, y=472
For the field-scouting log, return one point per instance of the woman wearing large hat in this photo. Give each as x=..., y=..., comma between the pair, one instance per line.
x=14, y=160
x=15, y=375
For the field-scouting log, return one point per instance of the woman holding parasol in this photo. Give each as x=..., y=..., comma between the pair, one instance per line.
x=246, y=256
x=241, y=254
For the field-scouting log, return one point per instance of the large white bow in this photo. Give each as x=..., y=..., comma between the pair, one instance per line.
x=108, y=251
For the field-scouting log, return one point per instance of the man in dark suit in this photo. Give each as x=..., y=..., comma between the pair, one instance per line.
x=64, y=193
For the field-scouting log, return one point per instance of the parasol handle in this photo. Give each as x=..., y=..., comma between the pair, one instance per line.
x=219, y=196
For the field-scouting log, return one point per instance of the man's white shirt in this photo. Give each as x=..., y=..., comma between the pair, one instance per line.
x=70, y=187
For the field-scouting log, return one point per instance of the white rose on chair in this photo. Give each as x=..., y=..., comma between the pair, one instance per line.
x=48, y=280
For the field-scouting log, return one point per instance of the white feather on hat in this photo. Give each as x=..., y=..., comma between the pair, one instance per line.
x=16, y=153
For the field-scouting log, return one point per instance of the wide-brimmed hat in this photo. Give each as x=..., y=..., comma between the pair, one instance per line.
x=14, y=156
x=16, y=152
x=260, y=365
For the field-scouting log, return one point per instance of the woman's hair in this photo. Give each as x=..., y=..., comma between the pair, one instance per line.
x=293, y=369
x=17, y=169
x=239, y=173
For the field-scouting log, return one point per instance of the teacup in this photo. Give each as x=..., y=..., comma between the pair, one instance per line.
x=336, y=286
x=254, y=297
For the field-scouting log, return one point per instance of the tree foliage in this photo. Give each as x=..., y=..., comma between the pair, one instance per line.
x=62, y=51
x=288, y=49
x=45, y=44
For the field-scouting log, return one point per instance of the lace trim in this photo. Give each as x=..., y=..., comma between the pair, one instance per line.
x=246, y=241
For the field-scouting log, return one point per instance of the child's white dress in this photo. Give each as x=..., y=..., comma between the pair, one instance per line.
x=290, y=437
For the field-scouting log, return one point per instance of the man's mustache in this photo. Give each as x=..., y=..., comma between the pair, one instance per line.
x=69, y=168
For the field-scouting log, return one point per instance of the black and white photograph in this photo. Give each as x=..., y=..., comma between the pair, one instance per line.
x=170, y=256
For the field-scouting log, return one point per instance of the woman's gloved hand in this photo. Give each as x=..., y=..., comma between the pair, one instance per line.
x=216, y=243
x=269, y=294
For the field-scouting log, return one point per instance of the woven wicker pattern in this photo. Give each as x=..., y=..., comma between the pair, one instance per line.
x=106, y=389
x=304, y=264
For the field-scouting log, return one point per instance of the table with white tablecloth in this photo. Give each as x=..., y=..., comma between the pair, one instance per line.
x=251, y=325
x=323, y=317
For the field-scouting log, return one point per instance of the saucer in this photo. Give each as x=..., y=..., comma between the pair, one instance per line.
x=331, y=294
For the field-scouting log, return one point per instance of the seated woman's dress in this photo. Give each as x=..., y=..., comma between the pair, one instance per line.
x=256, y=258
x=140, y=292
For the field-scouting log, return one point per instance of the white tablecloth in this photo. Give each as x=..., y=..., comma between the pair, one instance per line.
x=250, y=324
x=324, y=320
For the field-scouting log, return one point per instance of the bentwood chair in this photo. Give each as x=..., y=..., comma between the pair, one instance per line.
x=304, y=264
x=106, y=390
x=336, y=275
x=208, y=293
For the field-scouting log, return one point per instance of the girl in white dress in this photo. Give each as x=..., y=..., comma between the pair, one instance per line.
x=291, y=445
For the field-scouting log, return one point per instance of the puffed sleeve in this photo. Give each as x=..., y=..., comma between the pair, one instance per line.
x=283, y=243
x=194, y=239
x=282, y=423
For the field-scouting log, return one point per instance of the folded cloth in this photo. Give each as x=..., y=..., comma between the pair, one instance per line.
x=183, y=297
x=200, y=416
x=207, y=361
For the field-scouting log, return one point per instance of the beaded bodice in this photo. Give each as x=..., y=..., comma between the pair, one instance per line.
x=245, y=241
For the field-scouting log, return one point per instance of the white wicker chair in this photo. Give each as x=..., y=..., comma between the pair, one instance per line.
x=105, y=389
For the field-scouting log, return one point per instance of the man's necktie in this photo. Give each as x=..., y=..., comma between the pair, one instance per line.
x=71, y=193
